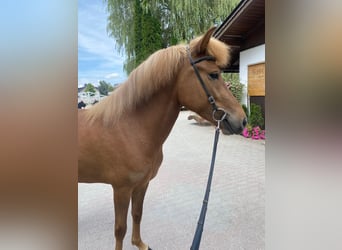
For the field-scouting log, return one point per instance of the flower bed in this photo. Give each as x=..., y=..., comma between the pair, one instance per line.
x=256, y=133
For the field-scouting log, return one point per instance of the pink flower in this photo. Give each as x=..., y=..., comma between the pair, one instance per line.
x=256, y=130
x=262, y=135
x=255, y=133
x=255, y=137
x=246, y=133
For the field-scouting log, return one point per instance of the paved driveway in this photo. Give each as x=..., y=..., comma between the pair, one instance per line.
x=236, y=213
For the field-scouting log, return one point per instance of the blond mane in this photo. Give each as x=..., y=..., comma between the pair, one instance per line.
x=155, y=72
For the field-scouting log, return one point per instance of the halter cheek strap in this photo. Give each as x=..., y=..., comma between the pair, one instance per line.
x=193, y=64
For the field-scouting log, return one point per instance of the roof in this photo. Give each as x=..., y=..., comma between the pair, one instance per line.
x=81, y=88
x=244, y=28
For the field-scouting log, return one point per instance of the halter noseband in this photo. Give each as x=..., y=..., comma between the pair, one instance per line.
x=218, y=113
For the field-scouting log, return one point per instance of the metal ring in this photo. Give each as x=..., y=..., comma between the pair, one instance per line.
x=222, y=117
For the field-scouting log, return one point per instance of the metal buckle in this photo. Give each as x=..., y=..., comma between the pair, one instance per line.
x=219, y=115
x=211, y=100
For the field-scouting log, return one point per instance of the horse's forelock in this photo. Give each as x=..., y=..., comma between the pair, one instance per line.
x=215, y=48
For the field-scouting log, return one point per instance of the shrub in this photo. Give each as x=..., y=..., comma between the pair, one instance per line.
x=255, y=116
x=236, y=88
x=235, y=85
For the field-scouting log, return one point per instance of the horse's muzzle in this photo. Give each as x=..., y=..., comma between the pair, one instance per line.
x=229, y=128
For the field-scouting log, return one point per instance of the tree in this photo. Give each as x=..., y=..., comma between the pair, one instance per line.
x=90, y=88
x=185, y=19
x=160, y=23
x=146, y=38
x=105, y=87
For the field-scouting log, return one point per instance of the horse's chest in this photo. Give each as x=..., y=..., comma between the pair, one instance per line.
x=144, y=167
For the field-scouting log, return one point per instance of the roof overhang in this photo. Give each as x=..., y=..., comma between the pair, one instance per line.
x=244, y=28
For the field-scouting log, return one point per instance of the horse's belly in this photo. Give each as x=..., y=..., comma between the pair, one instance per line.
x=131, y=172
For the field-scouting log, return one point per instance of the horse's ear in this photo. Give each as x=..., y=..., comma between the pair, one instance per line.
x=203, y=43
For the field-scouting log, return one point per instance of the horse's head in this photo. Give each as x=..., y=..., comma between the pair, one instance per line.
x=200, y=78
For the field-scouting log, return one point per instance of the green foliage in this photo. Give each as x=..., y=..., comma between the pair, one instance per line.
x=185, y=19
x=141, y=27
x=105, y=87
x=255, y=117
x=147, y=37
x=90, y=88
x=244, y=107
x=235, y=86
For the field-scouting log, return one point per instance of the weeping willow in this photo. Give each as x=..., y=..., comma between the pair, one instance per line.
x=140, y=27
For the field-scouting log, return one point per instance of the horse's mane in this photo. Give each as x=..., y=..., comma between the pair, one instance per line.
x=156, y=71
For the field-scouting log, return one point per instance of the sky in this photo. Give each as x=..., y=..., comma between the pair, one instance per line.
x=97, y=57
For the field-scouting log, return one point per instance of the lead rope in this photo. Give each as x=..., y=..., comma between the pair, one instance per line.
x=199, y=229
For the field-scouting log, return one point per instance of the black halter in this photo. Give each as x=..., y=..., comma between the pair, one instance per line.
x=218, y=113
x=193, y=64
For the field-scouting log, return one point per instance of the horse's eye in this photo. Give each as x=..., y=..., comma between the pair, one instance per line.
x=213, y=76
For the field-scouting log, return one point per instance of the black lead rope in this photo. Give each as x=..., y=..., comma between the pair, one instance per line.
x=199, y=229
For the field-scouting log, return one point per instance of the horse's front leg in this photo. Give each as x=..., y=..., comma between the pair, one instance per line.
x=137, y=209
x=121, y=202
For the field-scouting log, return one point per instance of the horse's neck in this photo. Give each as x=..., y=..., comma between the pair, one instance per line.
x=155, y=118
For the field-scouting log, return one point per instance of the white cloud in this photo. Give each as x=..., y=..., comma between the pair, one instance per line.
x=97, y=56
x=112, y=75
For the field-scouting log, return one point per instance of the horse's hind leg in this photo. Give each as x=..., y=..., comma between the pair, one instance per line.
x=121, y=202
x=137, y=208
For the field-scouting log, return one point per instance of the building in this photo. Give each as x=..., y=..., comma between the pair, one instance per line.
x=244, y=31
x=88, y=97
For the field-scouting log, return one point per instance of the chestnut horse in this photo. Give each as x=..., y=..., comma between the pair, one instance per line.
x=121, y=138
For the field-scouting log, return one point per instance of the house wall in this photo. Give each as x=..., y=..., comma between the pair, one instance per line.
x=248, y=57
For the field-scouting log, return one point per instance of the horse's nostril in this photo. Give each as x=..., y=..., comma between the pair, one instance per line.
x=244, y=122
